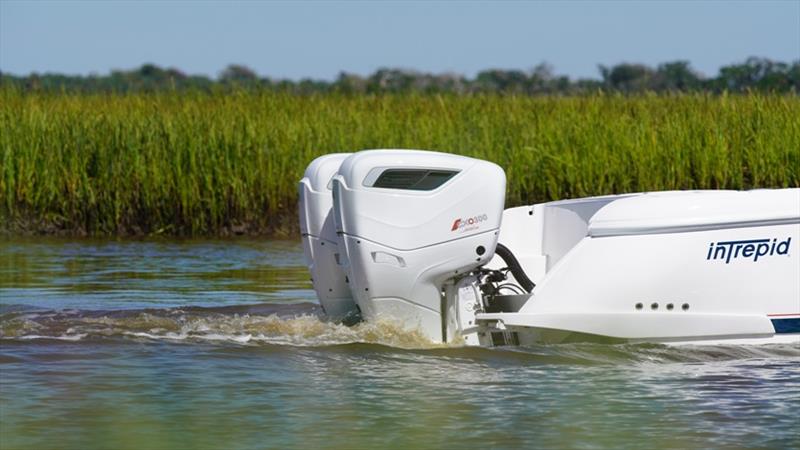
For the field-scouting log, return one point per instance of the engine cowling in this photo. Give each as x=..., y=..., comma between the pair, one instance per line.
x=320, y=244
x=408, y=221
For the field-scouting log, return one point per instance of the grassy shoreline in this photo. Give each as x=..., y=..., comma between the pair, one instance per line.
x=199, y=164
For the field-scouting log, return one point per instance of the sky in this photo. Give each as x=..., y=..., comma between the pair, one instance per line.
x=321, y=39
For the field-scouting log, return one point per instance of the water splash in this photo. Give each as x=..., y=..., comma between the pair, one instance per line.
x=302, y=326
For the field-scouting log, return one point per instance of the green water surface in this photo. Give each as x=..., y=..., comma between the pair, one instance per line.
x=219, y=344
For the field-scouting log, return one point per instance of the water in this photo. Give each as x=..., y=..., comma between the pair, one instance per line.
x=219, y=344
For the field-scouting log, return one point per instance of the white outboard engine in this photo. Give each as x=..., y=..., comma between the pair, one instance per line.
x=408, y=222
x=320, y=244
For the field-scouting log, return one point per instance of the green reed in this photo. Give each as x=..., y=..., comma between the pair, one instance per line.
x=218, y=163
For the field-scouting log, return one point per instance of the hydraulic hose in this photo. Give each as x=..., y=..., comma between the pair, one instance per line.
x=515, y=268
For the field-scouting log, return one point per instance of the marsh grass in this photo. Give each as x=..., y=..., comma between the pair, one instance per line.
x=206, y=164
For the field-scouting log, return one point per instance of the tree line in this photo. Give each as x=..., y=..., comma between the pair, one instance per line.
x=754, y=74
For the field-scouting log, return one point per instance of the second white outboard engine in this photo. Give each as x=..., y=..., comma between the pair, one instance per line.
x=320, y=244
x=407, y=222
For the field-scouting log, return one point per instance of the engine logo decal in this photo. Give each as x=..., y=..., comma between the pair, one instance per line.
x=469, y=223
x=752, y=249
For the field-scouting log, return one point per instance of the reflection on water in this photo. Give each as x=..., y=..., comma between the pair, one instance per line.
x=128, y=274
x=219, y=344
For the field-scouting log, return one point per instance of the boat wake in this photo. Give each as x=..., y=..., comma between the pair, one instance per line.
x=295, y=324
x=304, y=325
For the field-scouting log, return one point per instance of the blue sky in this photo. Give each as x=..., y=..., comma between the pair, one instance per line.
x=320, y=39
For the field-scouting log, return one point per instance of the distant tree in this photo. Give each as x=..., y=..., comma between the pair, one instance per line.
x=309, y=86
x=542, y=79
x=150, y=71
x=391, y=80
x=349, y=83
x=676, y=76
x=496, y=80
x=238, y=74
x=627, y=77
x=758, y=73
x=753, y=74
x=448, y=82
x=793, y=75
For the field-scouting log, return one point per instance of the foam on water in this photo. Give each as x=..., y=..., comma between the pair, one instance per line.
x=205, y=324
x=303, y=325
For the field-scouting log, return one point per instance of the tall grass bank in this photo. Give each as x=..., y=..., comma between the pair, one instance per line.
x=209, y=164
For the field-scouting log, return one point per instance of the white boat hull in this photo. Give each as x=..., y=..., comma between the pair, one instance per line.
x=668, y=267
